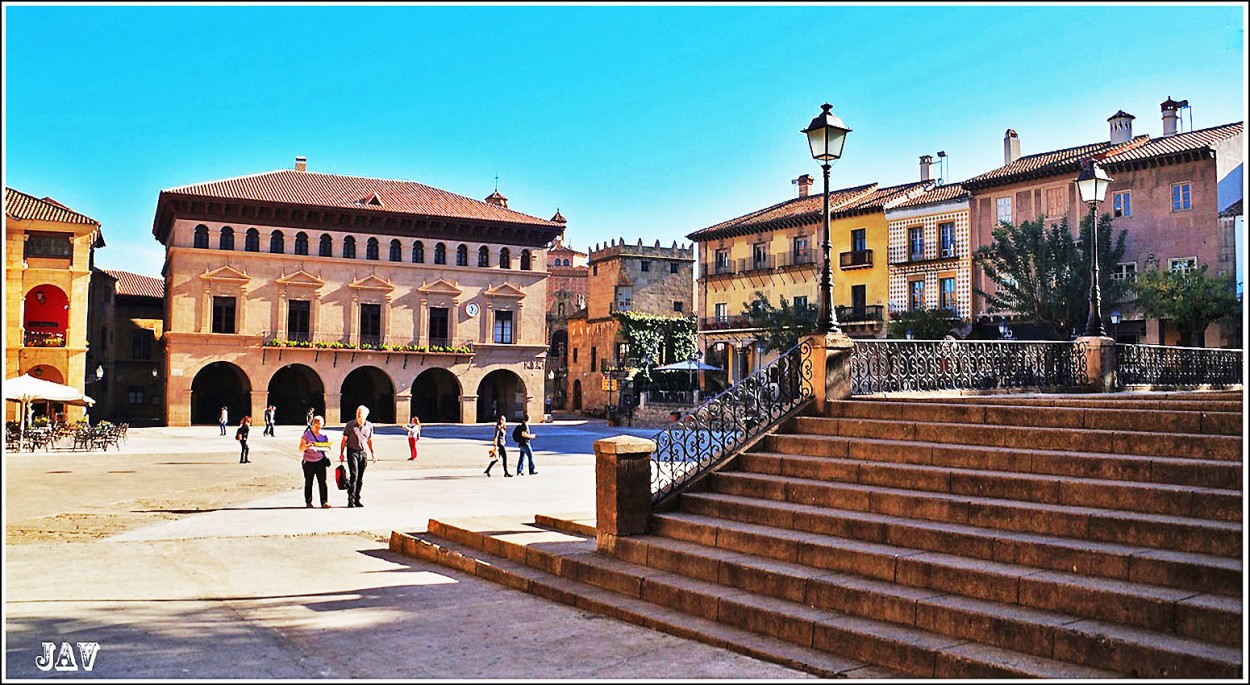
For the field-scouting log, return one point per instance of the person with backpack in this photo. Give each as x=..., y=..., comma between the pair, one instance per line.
x=521, y=435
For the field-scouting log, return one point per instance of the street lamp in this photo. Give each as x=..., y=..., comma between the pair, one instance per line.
x=99, y=373
x=1092, y=184
x=1115, y=323
x=826, y=135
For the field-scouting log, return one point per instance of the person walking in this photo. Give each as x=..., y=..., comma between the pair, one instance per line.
x=308, y=418
x=223, y=419
x=245, y=427
x=357, y=448
x=414, y=434
x=522, y=436
x=501, y=446
x=270, y=412
x=314, y=446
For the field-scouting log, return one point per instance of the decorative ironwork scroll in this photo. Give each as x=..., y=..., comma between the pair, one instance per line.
x=1166, y=365
x=719, y=427
x=879, y=366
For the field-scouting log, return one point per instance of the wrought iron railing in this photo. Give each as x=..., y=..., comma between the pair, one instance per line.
x=1176, y=366
x=914, y=365
x=855, y=259
x=721, y=426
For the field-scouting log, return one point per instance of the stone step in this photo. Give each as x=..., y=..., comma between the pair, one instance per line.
x=1173, y=420
x=1008, y=626
x=1207, y=473
x=1183, y=570
x=513, y=574
x=1223, y=447
x=1219, y=538
x=1173, y=500
x=1192, y=401
x=756, y=623
x=1166, y=610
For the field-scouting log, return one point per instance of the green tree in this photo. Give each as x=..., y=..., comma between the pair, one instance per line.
x=1191, y=299
x=654, y=340
x=924, y=324
x=1043, y=273
x=783, y=325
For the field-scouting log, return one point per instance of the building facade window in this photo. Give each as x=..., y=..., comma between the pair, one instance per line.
x=225, y=240
x=418, y=252
x=672, y=267
x=859, y=240
x=946, y=238
x=141, y=344
x=859, y=301
x=1122, y=203
x=396, y=252
x=201, y=239
x=526, y=260
x=325, y=247
x=644, y=265
x=624, y=298
x=915, y=295
x=505, y=259
x=622, y=353
x=1055, y=202
x=371, y=324
x=483, y=256
x=800, y=302
x=946, y=293
x=574, y=355
x=503, y=327
x=440, y=253
x=301, y=243
x=438, y=326
x=679, y=306
x=223, y=314
x=251, y=240
x=722, y=312
x=1124, y=271
x=1180, y=197
x=802, y=249
x=1003, y=206
x=299, y=320
x=722, y=260
x=915, y=243
x=371, y=249
x=349, y=247
x=134, y=395
x=276, y=243
x=1182, y=263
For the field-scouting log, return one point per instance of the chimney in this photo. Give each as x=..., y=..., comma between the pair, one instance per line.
x=1121, y=127
x=804, y=183
x=925, y=162
x=1011, y=147
x=301, y=163
x=1171, y=114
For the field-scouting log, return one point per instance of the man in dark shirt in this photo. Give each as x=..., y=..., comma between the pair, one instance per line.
x=357, y=446
x=522, y=436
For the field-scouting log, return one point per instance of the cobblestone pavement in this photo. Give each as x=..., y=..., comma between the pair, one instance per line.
x=182, y=563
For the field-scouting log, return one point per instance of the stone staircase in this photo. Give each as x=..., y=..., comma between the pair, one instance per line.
x=1048, y=536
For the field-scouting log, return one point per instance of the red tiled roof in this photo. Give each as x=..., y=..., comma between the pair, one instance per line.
x=348, y=192
x=19, y=205
x=794, y=212
x=881, y=198
x=952, y=192
x=1046, y=164
x=1178, y=144
x=135, y=284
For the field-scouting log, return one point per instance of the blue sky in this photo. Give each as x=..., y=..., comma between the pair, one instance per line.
x=636, y=122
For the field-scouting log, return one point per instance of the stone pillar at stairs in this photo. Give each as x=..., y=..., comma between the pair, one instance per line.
x=1100, y=362
x=622, y=489
x=831, y=362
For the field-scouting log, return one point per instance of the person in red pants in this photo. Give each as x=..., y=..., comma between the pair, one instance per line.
x=414, y=434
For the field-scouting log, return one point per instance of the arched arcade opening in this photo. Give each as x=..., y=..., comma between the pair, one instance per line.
x=220, y=384
x=436, y=397
x=292, y=390
x=501, y=393
x=370, y=386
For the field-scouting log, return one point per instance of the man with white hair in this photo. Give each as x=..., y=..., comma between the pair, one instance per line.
x=357, y=446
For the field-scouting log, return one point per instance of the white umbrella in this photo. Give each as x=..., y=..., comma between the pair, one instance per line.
x=27, y=388
x=688, y=365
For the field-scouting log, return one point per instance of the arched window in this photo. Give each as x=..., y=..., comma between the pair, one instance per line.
x=277, y=243
x=326, y=248
x=301, y=243
x=566, y=262
x=201, y=236
x=251, y=242
x=440, y=253
x=418, y=252
x=505, y=259
x=483, y=256
x=397, y=252
x=371, y=249
x=525, y=260
x=349, y=248
x=226, y=240
x=462, y=255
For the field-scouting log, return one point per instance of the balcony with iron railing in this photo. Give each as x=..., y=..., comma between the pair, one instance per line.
x=856, y=259
x=43, y=338
x=368, y=343
x=724, y=322
x=862, y=314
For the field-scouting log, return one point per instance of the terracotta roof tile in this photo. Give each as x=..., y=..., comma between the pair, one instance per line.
x=1046, y=164
x=952, y=192
x=882, y=198
x=19, y=205
x=1179, y=143
x=794, y=212
x=333, y=190
x=135, y=284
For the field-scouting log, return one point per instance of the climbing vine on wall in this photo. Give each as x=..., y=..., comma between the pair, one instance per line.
x=656, y=340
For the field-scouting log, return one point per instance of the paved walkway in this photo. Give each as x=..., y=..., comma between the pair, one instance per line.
x=183, y=563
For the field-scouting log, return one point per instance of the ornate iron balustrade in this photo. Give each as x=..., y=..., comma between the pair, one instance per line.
x=914, y=365
x=1176, y=366
x=719, y=427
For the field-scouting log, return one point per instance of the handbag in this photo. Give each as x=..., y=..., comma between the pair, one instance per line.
x=340, y=477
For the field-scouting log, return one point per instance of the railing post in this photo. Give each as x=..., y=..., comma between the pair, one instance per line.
x=1100, y=362
x=831, y=367
x=622, y=489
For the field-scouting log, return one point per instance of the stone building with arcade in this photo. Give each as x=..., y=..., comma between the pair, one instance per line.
x=311, y=290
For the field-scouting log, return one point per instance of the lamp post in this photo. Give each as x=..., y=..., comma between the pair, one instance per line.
x=1092, y=184
x=825, y=136
x=1115, y=323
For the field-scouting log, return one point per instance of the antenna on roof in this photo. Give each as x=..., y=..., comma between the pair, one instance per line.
x=496, y=181
x=943, y=160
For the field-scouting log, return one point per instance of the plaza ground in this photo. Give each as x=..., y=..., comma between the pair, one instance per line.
x=183, y=563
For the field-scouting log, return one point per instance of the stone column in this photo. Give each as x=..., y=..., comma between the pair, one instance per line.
x=622, y=489
x=1100, y=362
x=831, y=367
x=333, y=399
x=468, y=408
x=403, y=408
x=260, y=400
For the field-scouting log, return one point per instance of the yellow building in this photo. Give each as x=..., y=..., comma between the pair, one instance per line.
x=776, y=251
x=48, y=252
